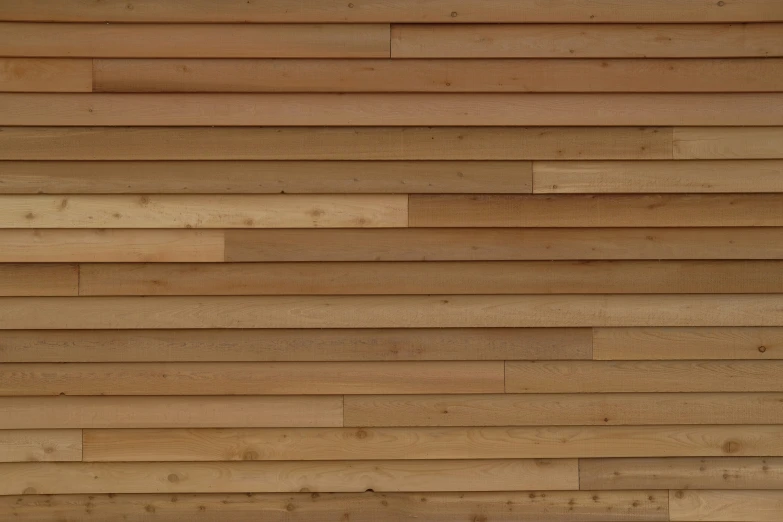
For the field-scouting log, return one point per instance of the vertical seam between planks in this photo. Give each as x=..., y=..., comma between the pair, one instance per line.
x=343, y=423
x=505, y=368
x=592, y=343
x=92, y=75
x=78, y=279
x=579, y=474
x=82, y=448
x=390, y=41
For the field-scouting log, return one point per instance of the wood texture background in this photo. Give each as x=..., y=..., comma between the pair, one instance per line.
x=386, y=260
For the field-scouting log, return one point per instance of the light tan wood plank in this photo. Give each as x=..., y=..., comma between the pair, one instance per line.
x=40, y=445
x=728, y=143
x=604, y=177
x=249, y=177
x=532, y=506
x=586, y=41
x=605, y=210
x=682, y=473
x=643, y=376
x=514, y=75
x=47, y=246
x=726, y=506
x=45, y=75
x=169, y=412
x=19, y=279
x=433, y=277
x=413, y=344
x=385, y=143
x=440, y=311
x=392, y=109
x=197, y=41
x=687, y=343
x=613, y=409
x=465, y=244
x=248, y=378
x=203, y=211
x=413, y=443
x=339, y=476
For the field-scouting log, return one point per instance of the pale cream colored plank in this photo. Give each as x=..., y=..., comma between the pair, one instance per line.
x=45, y=75
x=38, y=279
x=728, y=143
x=726, y=506
x=40, y=445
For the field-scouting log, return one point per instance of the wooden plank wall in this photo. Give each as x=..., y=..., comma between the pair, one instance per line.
x=386, y=260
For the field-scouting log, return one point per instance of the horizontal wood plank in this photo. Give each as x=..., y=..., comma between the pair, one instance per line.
x=615, y=409
x=682, y=473
x=643, y=376
x=440, y=311
x=248, y=378
x=195, y=40
x=169, y=412
x=290, y=477
x=498, y=244
x=476, y=277
x=384, y=143
x=585, y=41
x=40, y=445
x=39, y=279
x=258, y=177
x=133, y=246
x=687, y=343
x=544, y=442
x=392, y=109
x=604, y=210
x=606, y=177
x=728, y=143
x=45, y=75
x=733, y=506
x=400, y=75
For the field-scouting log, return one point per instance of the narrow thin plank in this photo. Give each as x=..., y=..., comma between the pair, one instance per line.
x=726, y=506
x=197, y=41
x=497, y=244
x=251, y=378
x=604, y=210
x=287, y=477
x=438, y=311
x=391, y=109
x=643, y=376
x=45, y=75
x=130, y=246
x=204, y=211
x=682, y=473
x=257, y=177
x=38, y=279
x=399, y=75
x=527, y=506
x=411, y=344
x=169, y=412
x=687, y=343
x=605, y=177
x=430, y=443
x=43, y=445
x=728, y=143
x=285, y=143
x=433, y=277
x=615, y=409
x=586, y=41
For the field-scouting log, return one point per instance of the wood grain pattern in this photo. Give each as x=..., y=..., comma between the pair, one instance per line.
x=614, y=409
x=169, y=412
x=443, y=311
x=585, y=41
x=258, y=177
x=728, y=143
x=35, y=445
x=498, y=244
x=38, y=279
x=195, y=40
x=409, y=344
x=682, y=473
x=728, y=506
x=545, y=442
x=251, y=378
x=467, y=75
x=134, y=246
x=45, y=75
x=433, y=277
x=606, y=177
x=384, y=143
x=687, y=343
x=391, y=109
